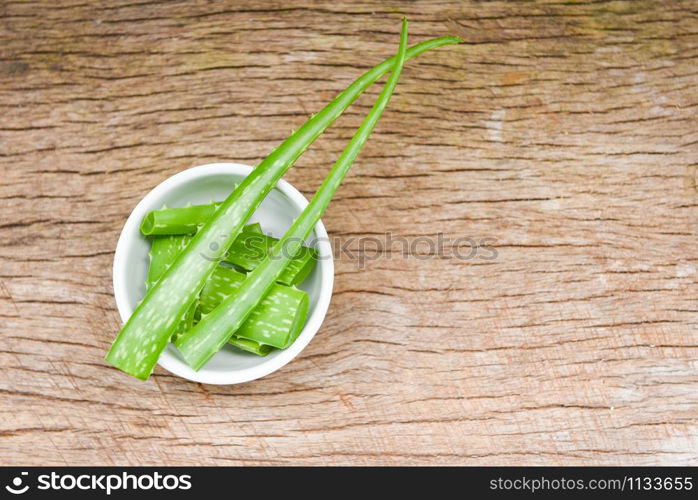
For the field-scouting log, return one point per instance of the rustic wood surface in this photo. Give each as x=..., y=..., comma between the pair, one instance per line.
x=564, y=131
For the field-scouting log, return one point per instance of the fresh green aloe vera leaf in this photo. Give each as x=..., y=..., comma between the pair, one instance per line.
x=255, y=228
x=251, y=346
x=245, y=253
x=207, y=337
x=277, y=319
x=146, y=333
x=184, y=220
x=163, y=251
x=248, y=250
x=283, y=315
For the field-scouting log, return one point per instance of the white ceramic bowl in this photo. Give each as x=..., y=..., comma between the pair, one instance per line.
x=200, y=185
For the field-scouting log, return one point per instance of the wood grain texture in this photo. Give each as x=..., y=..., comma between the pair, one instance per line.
x=564, y=131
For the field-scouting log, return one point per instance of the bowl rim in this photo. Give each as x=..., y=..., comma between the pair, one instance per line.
x=131, y=230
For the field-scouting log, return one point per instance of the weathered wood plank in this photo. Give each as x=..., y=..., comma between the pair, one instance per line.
x=566, y=132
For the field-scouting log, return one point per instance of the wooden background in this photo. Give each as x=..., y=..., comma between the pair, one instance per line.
x=565, y=131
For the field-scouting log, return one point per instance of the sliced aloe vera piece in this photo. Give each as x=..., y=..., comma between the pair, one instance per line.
x=250, y=249
x=247, y=251
x=184, y=220
x=163, y=251
x=251, y=346
x=282, y=318
x=278, y=318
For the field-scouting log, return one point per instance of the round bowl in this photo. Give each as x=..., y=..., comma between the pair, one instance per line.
x=203, y=184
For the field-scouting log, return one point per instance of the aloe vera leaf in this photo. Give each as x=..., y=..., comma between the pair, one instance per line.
x=163, y=251
x=146, y=333
x=276, y=320
x=255, y=228
x=246, y=252
x=184, y=220
x=186, y=321
x=251, y=346
x=249, y=249
x=210, y=334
